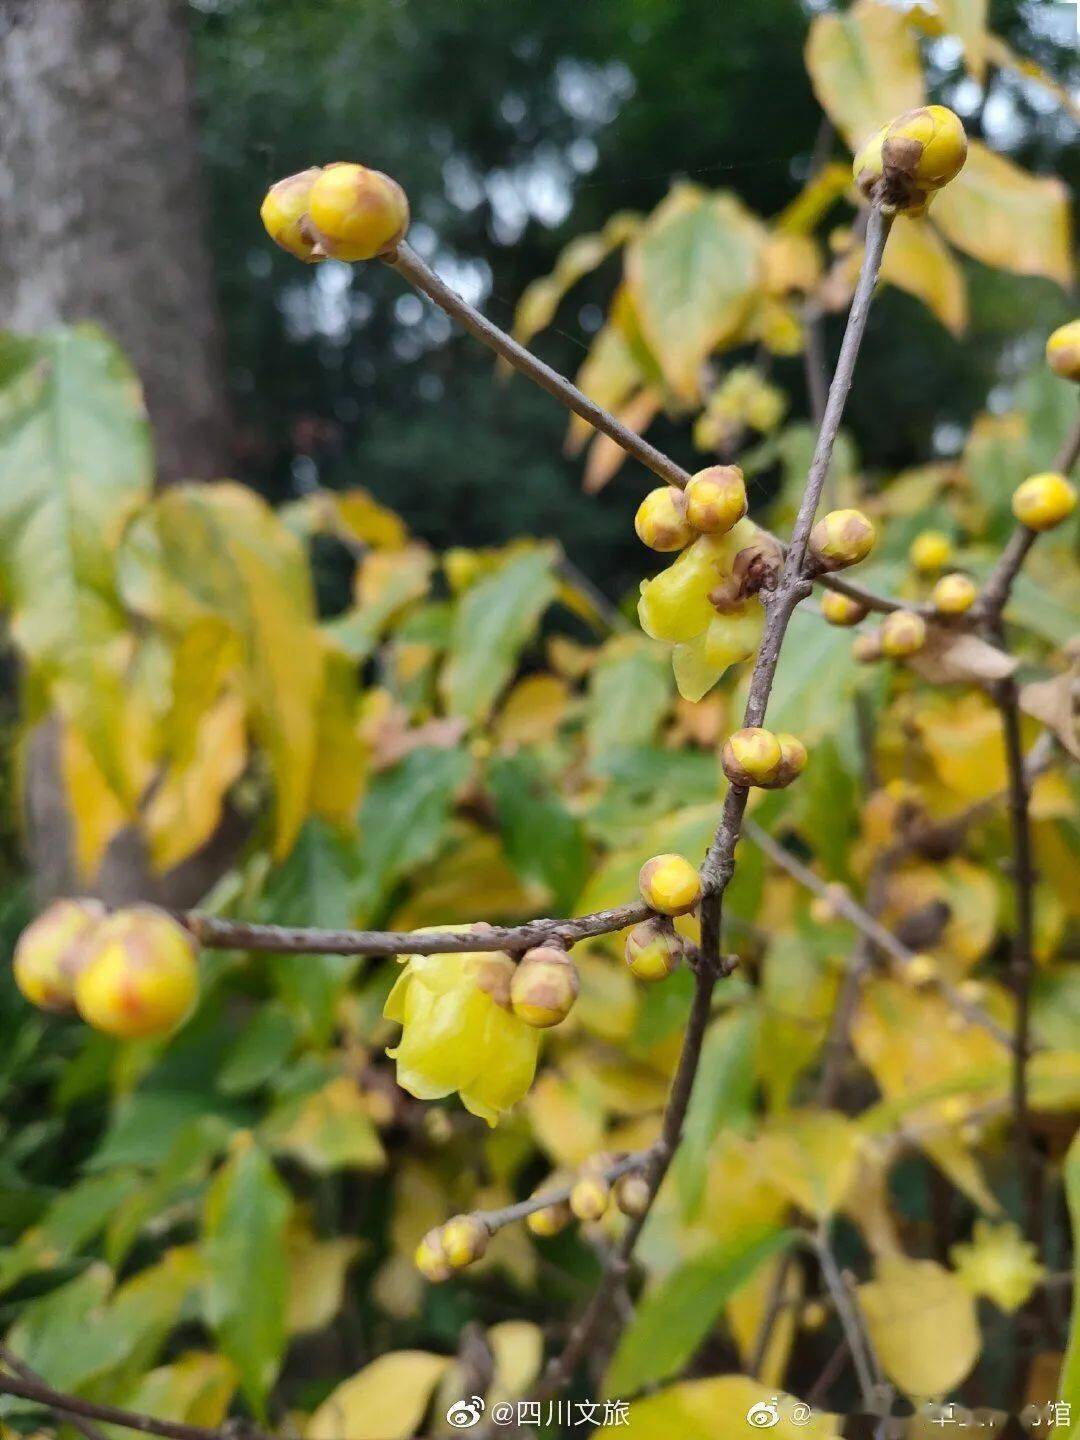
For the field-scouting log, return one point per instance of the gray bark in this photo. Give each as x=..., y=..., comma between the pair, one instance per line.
x=101, y=213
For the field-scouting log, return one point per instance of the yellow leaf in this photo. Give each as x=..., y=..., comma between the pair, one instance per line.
x=717, y=1409
x=917, y=262
x=97, y=815
x=364, y=519
x=567, y=1124
x=1007, y=218
x=693, y=273
x=610, y=375
x=341, y=756
x=517, y=1348
x=792, y=261
x=609, y=1000
x=802, y=215
x=329, y=1130
x=446, y=895
x=964, y=739
x=811, y=1156
x=864, y=67
x=966, y=19
x=184, y=810
x=385, y=1401
x=195, y=1390
x=605, y=457
x=388, y=580
x=317, y=1270
x=219, y=550
x=533, y=711
x=922, y=1324
x=746, y=1313
x=540, y=300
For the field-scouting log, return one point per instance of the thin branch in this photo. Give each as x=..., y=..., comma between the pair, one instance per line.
x=419, y=274
x=406, y=261
x=849, y=1318
x=556, y=1194
x=872, y=928
x=215, y=933
x=73, y=1405
x=20, y=1368
x=1066, y=458
x=719, y=866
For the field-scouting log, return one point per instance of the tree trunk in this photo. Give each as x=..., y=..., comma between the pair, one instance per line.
x=101, y=212
x=101, y=218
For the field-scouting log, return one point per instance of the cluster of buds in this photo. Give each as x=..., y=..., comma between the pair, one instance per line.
x=754, y=756
x=713, y=502
x=459, y=1243
x=906, y=161
x=340, y=211
x=130, y=974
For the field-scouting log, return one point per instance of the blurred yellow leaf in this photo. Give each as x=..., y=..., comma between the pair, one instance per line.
x=446, y=894
x=219, y=550
x=341, y=755
x=517, y=1349
x=316, y=1276
x=606, y=457
x=567, y=1124
x=811, y=1156
x=917, y=262
x=966, y=19
x=184, y=810
x=1008, y=218
x=964, y=739
x=609, y=1000
x=532, y=711
x=385, y=1401
x=610, y=375
x=815, y=199
x=922, y=1325
x=693, y=273
x=746, y=1313
x=864, y=66
x=194, y=1390
x=540, y=300
x=364, y=519
x=717, y=1409
x=792, y=261
x=96, y=813
x=329, y=1130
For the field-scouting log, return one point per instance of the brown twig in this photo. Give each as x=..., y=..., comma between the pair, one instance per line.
x=794, y=584
x=215, y=933
x=20, y=1368
x=555, y=1194
x=74, y=1406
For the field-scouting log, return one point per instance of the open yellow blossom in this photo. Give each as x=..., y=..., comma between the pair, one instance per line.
x=459, y=1033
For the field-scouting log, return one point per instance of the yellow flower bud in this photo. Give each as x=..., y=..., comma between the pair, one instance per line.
x=751, y=756
x=903, y=633
x=716, y=499
x=140, y=976
x=358, y=213
x=590, y=1197
x=793, y=759
x=924, y=149
x=464, y=1240
x=669, y=884
x=867, y=167
x=52, y=950
x=866, y=648
x=921, y=971
x=841, y=538
x=550, y=1220
x=974, y=991
x=430, y=1258
x=1043, y=501
x=931, y=550
x=954, y=594
x=824, y=909
x=661, y=521
x=544, y=987
x=1063, y=351
x=653, y=950
x=841, y=609
x=284, y=213
x=632, y=1194
x=814, y=1315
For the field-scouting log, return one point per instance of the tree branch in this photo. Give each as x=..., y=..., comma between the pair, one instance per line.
x=18, y=1367
x=73, y=1405
x=556, y=1194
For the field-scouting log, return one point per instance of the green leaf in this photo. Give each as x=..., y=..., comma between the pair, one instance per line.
x=243, y=1244
x=494, y=621
x=220, y=550
x=675, y=1317
x=403, y=821
x=1069, y=1390
x=72, y=1220
x=263, y=1047
x=722, y=1098
x=629, y=694
x=693, y=275
x=76, y=459
x=814, y=681
x=543, y=841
